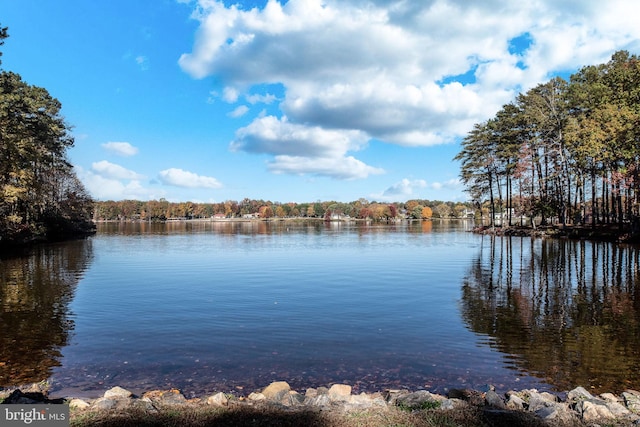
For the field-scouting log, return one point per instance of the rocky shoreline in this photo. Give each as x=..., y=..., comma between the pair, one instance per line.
x=602, y=233
x=579, y=407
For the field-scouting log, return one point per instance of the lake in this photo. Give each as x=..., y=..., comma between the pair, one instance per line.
x=232, y=306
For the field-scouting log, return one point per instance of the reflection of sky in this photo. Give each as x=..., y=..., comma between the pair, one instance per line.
x=322, y=307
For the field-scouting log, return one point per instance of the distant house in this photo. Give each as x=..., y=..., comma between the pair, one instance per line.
x=219, y=216
x=468, y=213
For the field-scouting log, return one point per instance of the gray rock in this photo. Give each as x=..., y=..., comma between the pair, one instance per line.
x=593, y=410
x=165, y=397
x=449, y=404
x=515, y=402
x=362, y=401
x=117, y=393
x=493, y=399
x=579, y=393
x=555, y=413
x=320, y=400
x=417, y=400
x=538, y=401
x=632, y=400
x=292, y=398
x=391, y=395
x=104, y=403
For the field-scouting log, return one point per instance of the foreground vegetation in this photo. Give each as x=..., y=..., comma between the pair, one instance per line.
x=263, y=416
x=41, y=198
x=564, y=150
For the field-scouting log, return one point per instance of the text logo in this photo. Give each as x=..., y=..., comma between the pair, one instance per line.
x=34, y=415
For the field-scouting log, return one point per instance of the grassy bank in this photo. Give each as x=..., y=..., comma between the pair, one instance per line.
x=241, y=415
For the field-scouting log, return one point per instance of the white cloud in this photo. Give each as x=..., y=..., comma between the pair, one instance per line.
x=107, y=188
x=402, y=190
x=239, y=111
x=261, y=99
x=182, y=178
x=123, y=149
x=391, y=70
x=452, y=184
x=230, y=95
x=111, y=170
x=340, y=167
x=300, y=149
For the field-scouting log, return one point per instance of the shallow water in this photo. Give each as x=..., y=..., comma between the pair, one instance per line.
x=233, y=306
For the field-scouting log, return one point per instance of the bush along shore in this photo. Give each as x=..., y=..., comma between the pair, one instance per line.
x=279, y=405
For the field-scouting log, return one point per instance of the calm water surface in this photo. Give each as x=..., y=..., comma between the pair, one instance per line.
x=234, y=306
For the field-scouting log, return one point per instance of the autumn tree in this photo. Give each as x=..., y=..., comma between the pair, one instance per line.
x=39, y=192
x=426, y=212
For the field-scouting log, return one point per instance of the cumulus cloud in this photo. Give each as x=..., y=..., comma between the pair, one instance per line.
x=186, y=179
x=402, y=190
x=123, y=149
x=111, y=170
x=408, y=73
x=300, y=149
x=340, y=167
x=452, y=184
x=108, y=188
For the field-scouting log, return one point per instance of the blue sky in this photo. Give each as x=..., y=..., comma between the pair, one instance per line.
x=293, y=101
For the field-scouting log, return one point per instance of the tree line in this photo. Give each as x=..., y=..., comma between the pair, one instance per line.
x=564, y=151
x=162, y=210
x=40, y=194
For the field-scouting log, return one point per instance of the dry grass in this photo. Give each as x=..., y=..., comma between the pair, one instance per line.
x=242, y=415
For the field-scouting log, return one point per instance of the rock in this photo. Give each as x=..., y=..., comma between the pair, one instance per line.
x=632, y=400
x=339, y=392
x=539, y=400
x=494, y=400
x=104, y=404
x=363, y=401
x=165, y=397
x=473, y=397
x=117, y=393
x=256, y=397
x=515, y=402
x=144, y=404
x=556, y=413
x=391, y=395
x=610, y=397
x=78, y=404
x=593, y=410
x=418, y=400
x=218, y=399
x=311, y=392
x=28, y=398
x=292, y=398
x=276, y=390
x=579, y=393
x=320, y=400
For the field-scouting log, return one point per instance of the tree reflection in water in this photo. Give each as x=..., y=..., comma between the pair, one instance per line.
x=35, y=292
x=565, y=311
